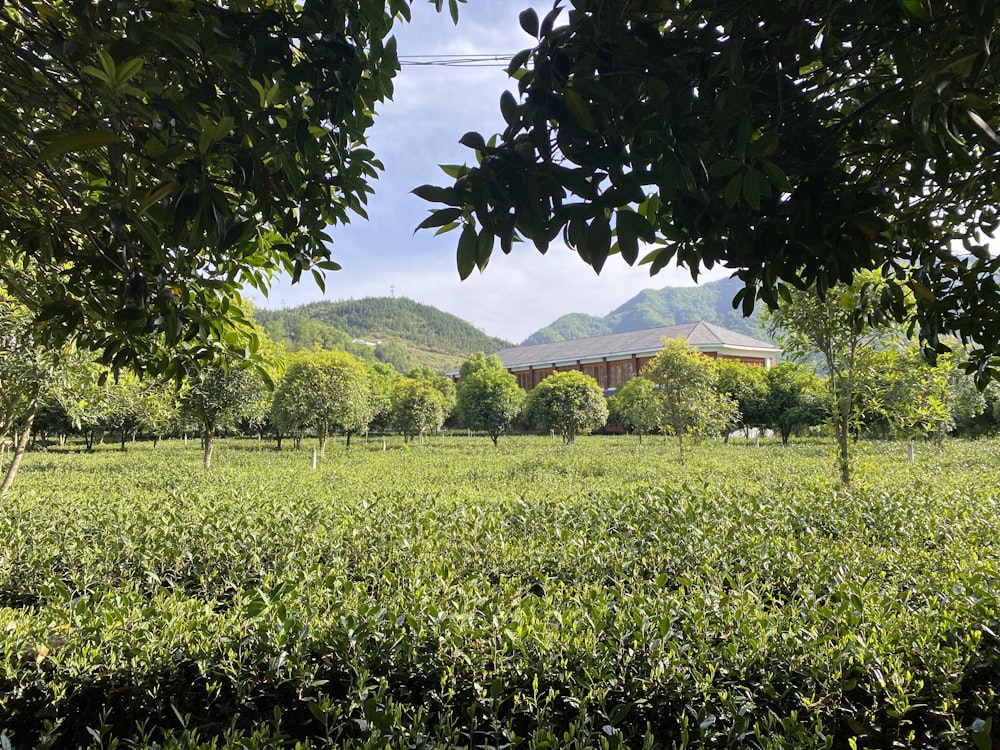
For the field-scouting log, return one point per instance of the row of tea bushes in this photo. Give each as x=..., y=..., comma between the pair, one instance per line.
x=533, y=596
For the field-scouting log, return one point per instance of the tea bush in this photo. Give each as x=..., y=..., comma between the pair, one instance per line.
x=531, y=595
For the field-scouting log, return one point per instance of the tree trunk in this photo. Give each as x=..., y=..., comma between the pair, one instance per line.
x=843, y=446
x=207, y=441
x=349, y=440
x=22, y=445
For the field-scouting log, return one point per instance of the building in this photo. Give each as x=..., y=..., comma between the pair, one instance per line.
x=615, y=359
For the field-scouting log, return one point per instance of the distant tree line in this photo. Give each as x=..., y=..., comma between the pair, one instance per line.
x=870, y=382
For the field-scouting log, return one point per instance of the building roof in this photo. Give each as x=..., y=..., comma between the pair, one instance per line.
x=701, y=335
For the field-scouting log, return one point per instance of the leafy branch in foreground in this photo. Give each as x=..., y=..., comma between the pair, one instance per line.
x=788, y=142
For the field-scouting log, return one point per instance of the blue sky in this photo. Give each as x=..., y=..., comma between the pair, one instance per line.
x=432, y=108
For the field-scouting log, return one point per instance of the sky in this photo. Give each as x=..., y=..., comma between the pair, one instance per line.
x=432, y=107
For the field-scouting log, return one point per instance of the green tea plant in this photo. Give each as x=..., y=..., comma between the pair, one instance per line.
x=527, y=595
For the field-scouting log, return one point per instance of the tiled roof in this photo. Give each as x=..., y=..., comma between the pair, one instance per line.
x=700, y=335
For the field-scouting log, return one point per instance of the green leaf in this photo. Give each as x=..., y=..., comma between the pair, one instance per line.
x=724, y=167
x=776, y=176
x=580, y=111
x=921, y=291
x=77, y=142
x=599, y=242
x=628, y=242
x=484, y=248
x=157, y=194
x=518, y=61
x=128, y=69
x=440, y=218
x=467, y=247
x=473, y=140
x=529, y=21
x=732, y=194
x=751, y=191
x=433, y=194
x=508, y=108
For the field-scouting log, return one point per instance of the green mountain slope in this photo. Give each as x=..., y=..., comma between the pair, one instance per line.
x=711, y=302
x=396, y=330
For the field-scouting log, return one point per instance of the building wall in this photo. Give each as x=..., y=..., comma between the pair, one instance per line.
x=614, y=373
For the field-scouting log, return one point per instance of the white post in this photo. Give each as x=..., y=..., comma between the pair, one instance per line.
x=909, y=450
x=314, y=460
x=383, y=445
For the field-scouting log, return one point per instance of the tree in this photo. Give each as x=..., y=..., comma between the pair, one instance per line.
x=636, y=406
x=842, y=327
x=30, y=374
x=488, y=397
x=441, y=383
x=747, y=386
x=800, y=143
x=904, y=395
x=325, y=391
x=417, y=407
x=217, y=396
x=157, y=157
x=381, y=376
x=796, y=399
x=567, y=402
x=689, y=402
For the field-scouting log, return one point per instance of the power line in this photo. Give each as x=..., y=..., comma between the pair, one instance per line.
x=457, y=61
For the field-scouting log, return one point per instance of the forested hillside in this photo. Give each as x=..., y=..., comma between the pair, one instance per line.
x=711, y=302
x=396, y=330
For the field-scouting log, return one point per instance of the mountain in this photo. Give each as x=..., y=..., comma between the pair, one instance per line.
x=390, y=329
x=651, y=308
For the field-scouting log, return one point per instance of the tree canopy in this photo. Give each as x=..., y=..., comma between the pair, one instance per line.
x=488, y=397
x=785, y=141
x=687, y=395
x=567, y=402
x=158, y=156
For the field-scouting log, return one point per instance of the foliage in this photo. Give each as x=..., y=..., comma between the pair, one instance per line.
x=796, y=398
x=801, y=144
x=652, y=308
x=636, y=406
x=218, y=396
x=442, y=383
x=407, y=333
x=488, y=397
x=418, y=407
x=567, y=402
x=747, y=386
x=689, y=401
x=297, y=331
x=457, y=596
x=844, y=326
x=158, y=157
x=381, y=377
x=325, y=391
x=902, y=395
x=30, y=375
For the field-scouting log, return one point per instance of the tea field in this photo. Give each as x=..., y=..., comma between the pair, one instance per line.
x=528, y=596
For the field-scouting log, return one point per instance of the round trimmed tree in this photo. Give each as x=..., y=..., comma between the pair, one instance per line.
x=489, y=398
x=569, y=403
